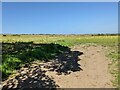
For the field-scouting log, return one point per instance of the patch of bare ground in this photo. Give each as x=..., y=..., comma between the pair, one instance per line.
x=93, y=73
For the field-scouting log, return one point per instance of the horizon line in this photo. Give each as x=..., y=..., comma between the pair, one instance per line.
x=57, y=34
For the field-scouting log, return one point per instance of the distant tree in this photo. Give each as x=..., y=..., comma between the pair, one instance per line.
x=4, y=35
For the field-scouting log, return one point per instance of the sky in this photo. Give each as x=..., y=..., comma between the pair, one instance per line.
x=59, y=17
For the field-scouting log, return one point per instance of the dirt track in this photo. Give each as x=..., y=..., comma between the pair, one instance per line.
x=94, y=73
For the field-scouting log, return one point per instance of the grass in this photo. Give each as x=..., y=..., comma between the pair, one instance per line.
x=17, y=53
x=113, y=66
x=66, y=40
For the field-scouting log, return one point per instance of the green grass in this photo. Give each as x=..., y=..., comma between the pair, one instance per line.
x=15, y=55
x=112, y=53
x=21, y=53
x=66, y=40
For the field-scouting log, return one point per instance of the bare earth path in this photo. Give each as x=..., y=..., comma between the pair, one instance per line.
x=94, y=73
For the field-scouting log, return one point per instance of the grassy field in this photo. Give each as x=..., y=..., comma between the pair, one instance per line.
x=21, y=49
x=66, y=40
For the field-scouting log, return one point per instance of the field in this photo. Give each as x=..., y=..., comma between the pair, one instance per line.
x=21, y=51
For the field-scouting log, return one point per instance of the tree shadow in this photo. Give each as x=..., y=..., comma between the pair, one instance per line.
x=19, y=54
x=65, y=63
x=31, y=78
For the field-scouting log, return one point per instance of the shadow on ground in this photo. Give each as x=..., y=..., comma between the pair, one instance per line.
x=31, y=78
x=22, y=54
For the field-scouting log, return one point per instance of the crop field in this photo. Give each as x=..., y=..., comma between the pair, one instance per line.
x=21, y=50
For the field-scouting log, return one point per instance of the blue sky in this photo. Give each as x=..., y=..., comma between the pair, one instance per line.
x=59, y=17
